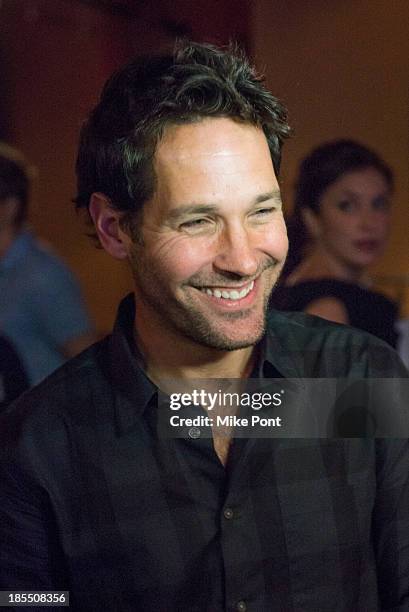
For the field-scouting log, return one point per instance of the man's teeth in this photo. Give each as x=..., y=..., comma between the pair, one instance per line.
x=230, y=295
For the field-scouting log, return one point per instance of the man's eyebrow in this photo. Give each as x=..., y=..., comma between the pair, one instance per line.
x=269, y=195
x=192, y=209
x=203, y=209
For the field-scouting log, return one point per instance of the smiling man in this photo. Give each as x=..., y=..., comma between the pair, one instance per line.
x=209, y=248
x=178, y=167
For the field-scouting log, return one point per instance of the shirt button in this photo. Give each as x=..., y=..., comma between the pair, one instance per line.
x=194, y=433
x=241, y=606
x=228, y=514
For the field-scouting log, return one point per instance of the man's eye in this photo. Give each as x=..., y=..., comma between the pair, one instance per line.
x=264, y=211
x=194, y=224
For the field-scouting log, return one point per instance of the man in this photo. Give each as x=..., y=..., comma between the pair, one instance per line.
x=178, y=166
x=41, y=308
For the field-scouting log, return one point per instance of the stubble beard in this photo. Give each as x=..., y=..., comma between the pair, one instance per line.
x=186, y=319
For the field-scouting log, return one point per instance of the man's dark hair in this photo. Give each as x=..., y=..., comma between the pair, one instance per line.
x=14, y=180
x=138, y=102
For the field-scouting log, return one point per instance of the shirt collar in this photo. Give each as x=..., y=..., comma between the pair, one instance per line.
x=278, y=347
x=135, y=390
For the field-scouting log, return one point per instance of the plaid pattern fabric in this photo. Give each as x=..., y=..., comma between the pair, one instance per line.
x=94, y=502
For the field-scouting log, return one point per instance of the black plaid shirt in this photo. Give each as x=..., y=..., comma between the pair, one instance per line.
x=94, y=502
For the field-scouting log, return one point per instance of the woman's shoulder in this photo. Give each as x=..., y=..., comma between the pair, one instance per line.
x=358, y=306
x=298, y=295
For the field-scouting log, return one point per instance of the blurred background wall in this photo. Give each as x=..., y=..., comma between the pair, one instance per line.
x=342, y=68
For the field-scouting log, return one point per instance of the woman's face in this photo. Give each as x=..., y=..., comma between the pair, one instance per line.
x=354, y=217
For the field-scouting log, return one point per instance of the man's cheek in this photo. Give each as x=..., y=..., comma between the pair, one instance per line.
x=285, y=246
x=186, y=260
x=276, y=245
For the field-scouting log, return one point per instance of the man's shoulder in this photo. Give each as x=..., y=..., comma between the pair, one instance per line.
x=324, y=348
x=66, y=395
x=306, y=329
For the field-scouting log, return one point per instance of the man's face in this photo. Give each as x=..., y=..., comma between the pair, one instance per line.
x=213, y=235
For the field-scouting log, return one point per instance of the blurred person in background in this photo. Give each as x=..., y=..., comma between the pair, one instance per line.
x=339, y=228
x=41, y=307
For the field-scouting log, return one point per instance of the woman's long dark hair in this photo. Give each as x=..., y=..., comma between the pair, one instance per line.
x=322, y=167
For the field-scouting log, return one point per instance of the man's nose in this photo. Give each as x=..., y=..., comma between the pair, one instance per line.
x=237, y=253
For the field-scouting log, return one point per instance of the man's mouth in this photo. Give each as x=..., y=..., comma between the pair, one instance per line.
x=229, y=294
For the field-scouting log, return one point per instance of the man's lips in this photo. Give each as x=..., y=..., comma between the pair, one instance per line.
x=236, y=295
x=229, y=293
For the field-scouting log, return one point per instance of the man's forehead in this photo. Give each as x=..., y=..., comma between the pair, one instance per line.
x=211, y=162
x=211, y=138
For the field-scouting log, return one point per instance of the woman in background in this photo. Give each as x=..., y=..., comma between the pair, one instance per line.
x=339, y=228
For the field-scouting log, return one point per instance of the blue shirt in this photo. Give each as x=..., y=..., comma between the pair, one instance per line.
x=41, y=307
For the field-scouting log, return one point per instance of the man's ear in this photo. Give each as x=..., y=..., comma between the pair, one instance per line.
x=107, y=224
x=312, y=222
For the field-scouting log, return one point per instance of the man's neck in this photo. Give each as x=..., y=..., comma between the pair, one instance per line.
x=167, y=354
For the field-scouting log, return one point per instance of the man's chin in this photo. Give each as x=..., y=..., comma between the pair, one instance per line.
x=229, y=331
x=228, y=340
x=235, y=345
